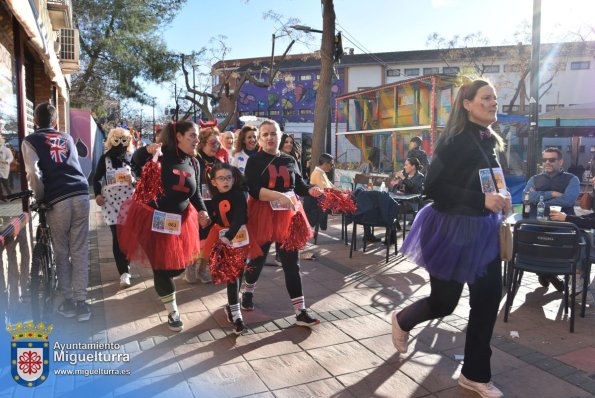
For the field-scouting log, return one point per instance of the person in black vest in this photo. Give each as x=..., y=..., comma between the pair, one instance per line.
x=56, y=178
x=416, y=151
x=558, y=188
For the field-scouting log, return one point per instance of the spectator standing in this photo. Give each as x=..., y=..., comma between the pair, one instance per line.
x=416, y=151
x=6, y=158
x=56, y=178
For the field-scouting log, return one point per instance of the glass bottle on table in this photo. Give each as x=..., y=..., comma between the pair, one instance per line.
x=526, y=205
x=370, y=185
x=541, y=209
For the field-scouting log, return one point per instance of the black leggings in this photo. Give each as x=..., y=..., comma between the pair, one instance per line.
x=484, y=299
x=121, y=261
x=291, y=268
x=164, y=280
x=233, y=292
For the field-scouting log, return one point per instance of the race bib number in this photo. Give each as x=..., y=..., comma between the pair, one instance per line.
x=276, y=205
x=205, y=193
x=117, y=177
x=166, y=223
x=241, y=239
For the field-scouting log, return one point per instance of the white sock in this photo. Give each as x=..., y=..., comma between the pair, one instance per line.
x=236, y=313
x=299, y=304
x=169, y=302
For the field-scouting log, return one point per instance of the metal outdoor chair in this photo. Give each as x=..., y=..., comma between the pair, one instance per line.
x=546, y=247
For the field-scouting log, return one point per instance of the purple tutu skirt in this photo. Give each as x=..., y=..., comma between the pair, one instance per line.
x=453, y=247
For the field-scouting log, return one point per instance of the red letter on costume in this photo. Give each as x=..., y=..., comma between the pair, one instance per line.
x=181, y=185
x=224, y=208
x=273, y=174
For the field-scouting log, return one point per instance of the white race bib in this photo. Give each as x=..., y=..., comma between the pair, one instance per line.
x=166, y=223
x=205, y=193
x=276, y=205
x=241, y=239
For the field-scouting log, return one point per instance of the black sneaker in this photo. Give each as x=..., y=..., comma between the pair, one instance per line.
x=304, y=319
x=174, y=322
x=83, y=311
x=247, y=304
x=372, y=239
x=228, y=313
x=239, y=327
x=67, y=309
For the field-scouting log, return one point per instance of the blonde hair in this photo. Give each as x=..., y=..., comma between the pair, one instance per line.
x=117, y=132
x=459, y=116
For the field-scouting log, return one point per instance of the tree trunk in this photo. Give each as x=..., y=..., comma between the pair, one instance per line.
x=323, y=95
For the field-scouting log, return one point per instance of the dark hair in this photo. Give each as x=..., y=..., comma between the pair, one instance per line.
x=168, y=133
x=235, y=172
x=296, y=150
x=417, y=140
x=325, y=158
x=239, y=145
x=554, y=150
x=414, y=162
x=45, y=115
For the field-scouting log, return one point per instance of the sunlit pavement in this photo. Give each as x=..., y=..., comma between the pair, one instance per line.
x=350, y=354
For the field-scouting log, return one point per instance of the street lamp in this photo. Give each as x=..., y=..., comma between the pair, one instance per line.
x=306, y=29
x=194, y=93
x=153, y=103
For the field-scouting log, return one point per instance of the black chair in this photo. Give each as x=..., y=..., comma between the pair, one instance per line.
x=374, y=209
x=546, y=247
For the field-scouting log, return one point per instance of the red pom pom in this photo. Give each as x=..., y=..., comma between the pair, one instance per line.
x=149, y=187
x=337, y=201
x=299, y=233
x=227, y=263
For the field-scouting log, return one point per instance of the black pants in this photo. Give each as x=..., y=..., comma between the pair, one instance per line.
x=5, y=186
x=163, y=280
x=233, y=292
x=484, y=299
x=121, y=261
x=291, y=268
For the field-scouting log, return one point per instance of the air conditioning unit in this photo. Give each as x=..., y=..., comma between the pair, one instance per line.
x=69, y=50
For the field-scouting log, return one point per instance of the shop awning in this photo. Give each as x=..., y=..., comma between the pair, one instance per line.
x=26, y=13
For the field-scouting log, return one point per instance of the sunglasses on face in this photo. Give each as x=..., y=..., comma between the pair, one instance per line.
x=124, y=140
x=549, y=160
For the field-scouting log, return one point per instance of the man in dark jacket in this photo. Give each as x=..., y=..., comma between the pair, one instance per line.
x=56, y=178
x=415, y=151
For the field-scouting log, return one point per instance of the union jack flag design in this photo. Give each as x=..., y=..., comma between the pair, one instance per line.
x=58, y=147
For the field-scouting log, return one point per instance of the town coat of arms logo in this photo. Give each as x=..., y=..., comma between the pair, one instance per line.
x=30, y=353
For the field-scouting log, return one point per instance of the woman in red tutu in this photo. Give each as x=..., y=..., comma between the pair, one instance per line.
x=274, y=179
x=163, y=232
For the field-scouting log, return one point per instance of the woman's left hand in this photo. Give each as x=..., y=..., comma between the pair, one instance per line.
x=203, y=218
x=315, y=192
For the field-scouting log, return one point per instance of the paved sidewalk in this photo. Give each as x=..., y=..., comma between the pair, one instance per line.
x=349, y=354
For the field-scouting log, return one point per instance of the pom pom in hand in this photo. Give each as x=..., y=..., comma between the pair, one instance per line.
x=337, y=201
x=227, y=263
x=299, y=233
x=149, y=187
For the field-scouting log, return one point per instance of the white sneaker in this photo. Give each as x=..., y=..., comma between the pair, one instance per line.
x=125, y=280
x=204, y=276
x=190, y=274
x=486, y=390
x=400, y=337
x=174, y=322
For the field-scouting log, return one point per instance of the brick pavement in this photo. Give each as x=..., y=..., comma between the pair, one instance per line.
x=349, y=354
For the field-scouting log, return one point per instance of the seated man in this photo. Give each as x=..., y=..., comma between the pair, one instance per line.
x=558, y=188
x=320, y=179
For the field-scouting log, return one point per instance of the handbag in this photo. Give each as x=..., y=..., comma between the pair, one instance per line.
x=504, y=232
x=586, y=201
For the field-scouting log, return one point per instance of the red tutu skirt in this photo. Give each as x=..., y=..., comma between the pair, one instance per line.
x=161, y=251
x=268, y=225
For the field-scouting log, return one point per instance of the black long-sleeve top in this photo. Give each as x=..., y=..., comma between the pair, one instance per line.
x=584, y=222
x=453, y=179
x=178, y=176
x=230, y=210
x=117, y=162
x=413, y=184
x=276, y=172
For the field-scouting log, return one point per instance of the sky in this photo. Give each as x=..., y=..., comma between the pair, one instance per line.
x=375, y=25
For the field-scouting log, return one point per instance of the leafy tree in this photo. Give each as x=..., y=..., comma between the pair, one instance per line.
x=121, y=44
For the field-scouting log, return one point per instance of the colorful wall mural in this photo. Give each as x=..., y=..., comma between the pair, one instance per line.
x=290, y=99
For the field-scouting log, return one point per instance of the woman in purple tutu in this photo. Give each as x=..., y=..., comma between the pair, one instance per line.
x=456, y=238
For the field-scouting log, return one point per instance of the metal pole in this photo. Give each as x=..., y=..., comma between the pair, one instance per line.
x=153, y=118
x=193, y=96
x=533, y=140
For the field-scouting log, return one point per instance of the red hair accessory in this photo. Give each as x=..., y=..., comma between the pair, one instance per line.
x=212, y=123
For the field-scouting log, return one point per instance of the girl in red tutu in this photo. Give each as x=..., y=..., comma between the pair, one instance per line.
x=163, y=232
x=274, y=179
x=229, y=212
